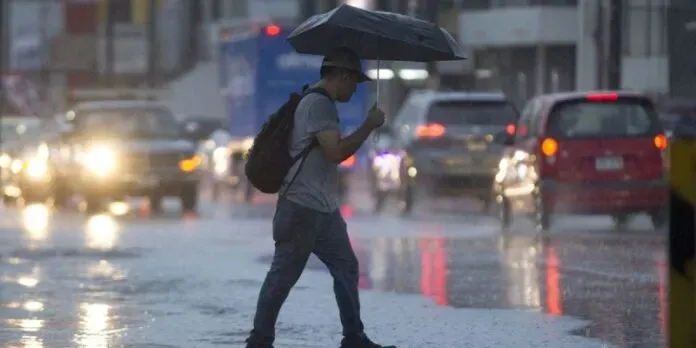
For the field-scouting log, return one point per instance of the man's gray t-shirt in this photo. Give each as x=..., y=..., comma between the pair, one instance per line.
x=316, y=185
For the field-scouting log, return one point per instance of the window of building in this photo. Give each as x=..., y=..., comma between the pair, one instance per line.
x=216, y=9
x=522, y=3
x=645, y=28
x=121, y=11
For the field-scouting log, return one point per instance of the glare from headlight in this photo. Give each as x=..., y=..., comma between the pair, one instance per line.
x=37, y=168
x=5, y=160
x=100, y=161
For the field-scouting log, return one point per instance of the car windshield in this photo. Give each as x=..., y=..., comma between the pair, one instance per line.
x=603, y=119
x=141, y=121
x=16, y=132
x=476, y=113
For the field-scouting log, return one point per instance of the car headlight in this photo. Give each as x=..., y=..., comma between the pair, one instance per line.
x=37, y=168
x=5, y=160
x=100, y=161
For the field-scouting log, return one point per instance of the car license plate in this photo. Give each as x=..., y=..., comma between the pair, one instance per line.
x=149, y=181
x=609, y=163
x=458, y=162
x=478, y=146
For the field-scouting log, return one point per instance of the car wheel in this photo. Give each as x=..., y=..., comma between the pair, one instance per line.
x=486, y=204
x=380, y=199
x=95, y=204
x=659, y=219
x=620, y=221
x=407, y=200
x=189, y=198
x=155, y=201
x=60, y=196
x=542, y=215
x=8, y=200
x=248, y=192
x=505, y=212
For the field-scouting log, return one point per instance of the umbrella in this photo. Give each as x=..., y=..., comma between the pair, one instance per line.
x=375, y=35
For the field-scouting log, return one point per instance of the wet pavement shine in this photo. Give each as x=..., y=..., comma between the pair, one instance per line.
x=439, y=279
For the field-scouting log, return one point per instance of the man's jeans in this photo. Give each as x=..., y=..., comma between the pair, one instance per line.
x=299, y=231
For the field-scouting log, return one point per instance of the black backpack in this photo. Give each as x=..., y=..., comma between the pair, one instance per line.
x=269, y=159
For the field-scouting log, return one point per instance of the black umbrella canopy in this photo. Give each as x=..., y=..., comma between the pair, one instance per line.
x=375, y=35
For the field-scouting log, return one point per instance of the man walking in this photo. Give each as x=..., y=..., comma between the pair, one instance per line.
x=307, y=218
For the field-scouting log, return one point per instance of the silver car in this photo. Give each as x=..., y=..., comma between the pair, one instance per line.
x=450, y=144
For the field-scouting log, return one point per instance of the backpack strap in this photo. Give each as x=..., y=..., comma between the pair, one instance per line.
x=302, y=156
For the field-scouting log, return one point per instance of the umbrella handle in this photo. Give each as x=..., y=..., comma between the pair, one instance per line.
x=376, y=135
x=378, y=69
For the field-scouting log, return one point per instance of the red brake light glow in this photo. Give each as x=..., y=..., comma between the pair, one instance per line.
x=510, y=129
x=432, y=130
x=549, y=147
x=603, y=97
x=348, y=162
x=660, y=141
x=272, y=30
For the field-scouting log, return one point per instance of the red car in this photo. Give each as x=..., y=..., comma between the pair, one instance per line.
x=595, y=153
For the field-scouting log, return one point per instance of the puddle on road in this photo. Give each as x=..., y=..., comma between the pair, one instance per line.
x=567, y=274
x=49, y=253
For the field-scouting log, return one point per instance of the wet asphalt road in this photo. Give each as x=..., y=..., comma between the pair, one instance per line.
x=71, y=281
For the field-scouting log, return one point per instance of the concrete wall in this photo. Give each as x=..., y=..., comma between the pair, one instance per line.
x=511, y=27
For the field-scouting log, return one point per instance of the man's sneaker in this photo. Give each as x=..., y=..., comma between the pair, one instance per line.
x=360, y=342
x=258, y=345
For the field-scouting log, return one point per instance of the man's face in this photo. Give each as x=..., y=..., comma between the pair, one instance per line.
x=347, y=86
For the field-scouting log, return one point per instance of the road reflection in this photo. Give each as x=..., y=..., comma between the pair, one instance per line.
x=36, y=223
x=613, y=283
x=101, y=232
x=95, y=326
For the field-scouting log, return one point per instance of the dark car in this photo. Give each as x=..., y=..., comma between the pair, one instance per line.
x=24, y=171
x=118, y=149
x=450, y=144
x=672, y=111
x=595, y=153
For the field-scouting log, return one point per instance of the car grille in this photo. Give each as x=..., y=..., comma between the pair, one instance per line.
x=153, y=161
x=456, y=182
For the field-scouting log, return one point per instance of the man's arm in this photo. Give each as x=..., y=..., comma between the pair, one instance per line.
x=337, y=149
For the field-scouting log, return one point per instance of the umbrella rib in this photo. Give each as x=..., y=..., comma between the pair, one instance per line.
x=382, y=37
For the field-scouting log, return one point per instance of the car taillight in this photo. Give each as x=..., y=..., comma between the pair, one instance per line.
x=602, y=97
x=510, y=129
x=348, y=162
x=272, y=30
x=660, y=141
x=431, y=130
x=549, y=147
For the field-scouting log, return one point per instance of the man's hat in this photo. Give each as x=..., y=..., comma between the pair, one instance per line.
x=345, y=58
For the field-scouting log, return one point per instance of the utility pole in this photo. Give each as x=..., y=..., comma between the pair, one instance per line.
x=152, y=56
x=45, y=56
x=614, y=53
x=109, y=41
x=3, y=56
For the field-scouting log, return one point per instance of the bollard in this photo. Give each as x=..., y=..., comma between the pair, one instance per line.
x=682, y=236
